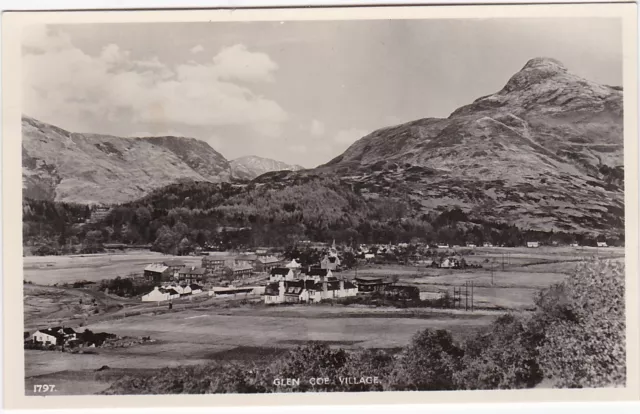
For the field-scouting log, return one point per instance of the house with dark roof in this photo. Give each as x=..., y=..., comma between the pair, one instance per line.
x=191, y=274
x=281, y=273
x=157, y=272
x=266, y=263
x=318, y=274
x=370, y=285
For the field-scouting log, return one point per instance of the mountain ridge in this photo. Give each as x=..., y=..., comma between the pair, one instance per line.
x=252, y=166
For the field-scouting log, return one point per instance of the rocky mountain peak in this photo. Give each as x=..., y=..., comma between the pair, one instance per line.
x=536, y=71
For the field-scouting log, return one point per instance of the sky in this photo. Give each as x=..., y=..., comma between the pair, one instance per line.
x=298, y=92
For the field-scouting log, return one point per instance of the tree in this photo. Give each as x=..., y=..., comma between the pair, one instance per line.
x=166, y=242
x=503, y=357
x=185, y=247
x=584, y=324
x=93, y=242
x=428, y=363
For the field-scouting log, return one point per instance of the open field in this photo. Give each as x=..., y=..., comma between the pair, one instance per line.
x=49, y=270
x=246, y=333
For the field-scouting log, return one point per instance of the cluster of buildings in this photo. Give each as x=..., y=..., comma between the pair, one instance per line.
x=294, y=284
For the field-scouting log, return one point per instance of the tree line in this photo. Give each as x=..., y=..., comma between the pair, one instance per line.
x=180, y=218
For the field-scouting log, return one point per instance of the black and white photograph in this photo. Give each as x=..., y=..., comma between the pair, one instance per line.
x=339, y=205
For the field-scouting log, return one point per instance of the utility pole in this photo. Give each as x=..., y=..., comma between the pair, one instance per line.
x=492, y=263
x=472, y=296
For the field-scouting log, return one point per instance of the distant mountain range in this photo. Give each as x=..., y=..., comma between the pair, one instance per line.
x=101, y=169
x=250, y=167
x=543, y=153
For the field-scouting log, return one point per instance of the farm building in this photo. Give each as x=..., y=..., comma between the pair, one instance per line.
x=191, y=274
x=533, y=244
x=442, y=246
x=157, y=272
x=602, y=244
x=471, y=245
x=54, y=336
x=371, y=284
x=159, y=294
x=281, y=273
x=574, y=245
x=487, y=244
x=307, y=291
x=266, y=263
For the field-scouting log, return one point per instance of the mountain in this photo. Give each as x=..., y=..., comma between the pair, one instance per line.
x=545, y=153
x=251, y=166
x=89, y=168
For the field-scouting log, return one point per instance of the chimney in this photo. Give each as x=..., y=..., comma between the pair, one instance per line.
x=341, y=285
x=325, y=286
x=281, y=288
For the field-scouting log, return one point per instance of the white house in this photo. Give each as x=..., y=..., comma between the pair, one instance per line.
x=487, y=244
x=442, y=246
x=54, y=336
x=471, y=245
x=294, y=265
x=574, y=245
x=450, y=263
x=533, y=244
x=159, y=294
x=602, y=244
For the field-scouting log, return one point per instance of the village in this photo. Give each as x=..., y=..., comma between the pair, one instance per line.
x=313, y=273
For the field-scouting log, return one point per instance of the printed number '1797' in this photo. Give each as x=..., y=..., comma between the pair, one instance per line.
x=43, y=388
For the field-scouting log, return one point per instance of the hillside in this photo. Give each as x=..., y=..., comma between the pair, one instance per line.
x=545, y=152
x=252, y=166
x=89, y=168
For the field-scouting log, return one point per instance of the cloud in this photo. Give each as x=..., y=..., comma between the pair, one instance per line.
x=236, y=62
x=349, y=136
x=68, y=87
x=197, y=49
x=316, y=128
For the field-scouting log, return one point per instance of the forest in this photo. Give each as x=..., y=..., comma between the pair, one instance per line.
x=180, y=218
